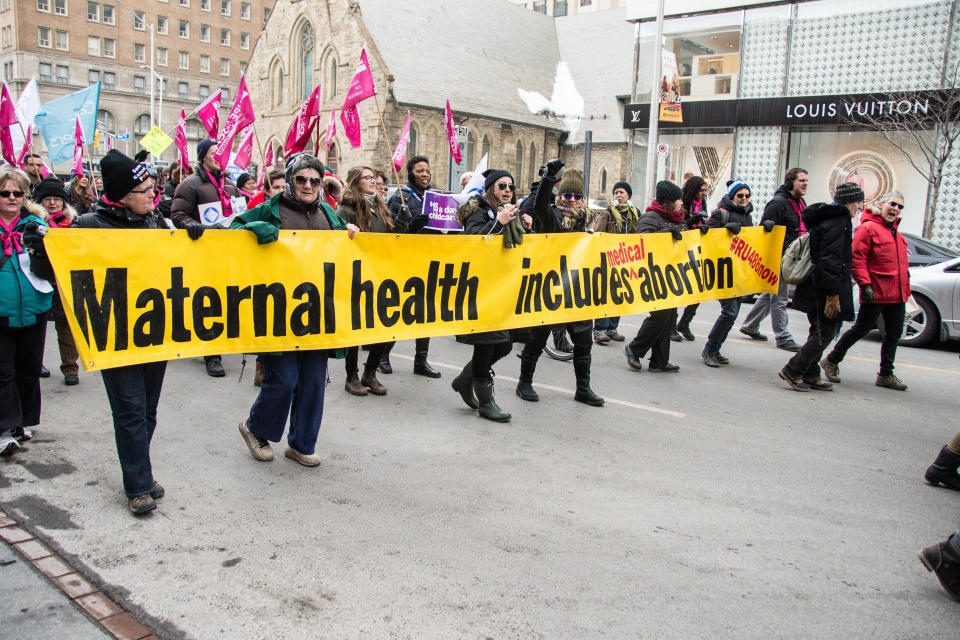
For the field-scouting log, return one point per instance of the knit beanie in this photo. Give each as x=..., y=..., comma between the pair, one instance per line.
x=625, y=186
x=848, y=192
x=492, y=175
x=50, y=186
x=571, y=182
x=203, y=146
x=121, y=174
x=667, y=192
x=736, y=185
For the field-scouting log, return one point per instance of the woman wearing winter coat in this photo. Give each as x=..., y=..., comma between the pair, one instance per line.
x=663, y=215
x=24, y=304
x=568, y=213
x=487, y=214
x=880, y=268
x=827, y=295
x=694, y=196
x=81, y=195
x=619, y=217
x=58, y=214
x=363, y=206
x=293, y=382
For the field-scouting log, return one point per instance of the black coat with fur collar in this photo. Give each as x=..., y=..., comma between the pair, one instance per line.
x=831, y=249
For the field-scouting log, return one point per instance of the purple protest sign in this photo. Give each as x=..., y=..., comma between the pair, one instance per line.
x=441, y=210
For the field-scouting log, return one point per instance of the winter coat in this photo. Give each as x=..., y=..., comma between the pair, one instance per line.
x=831, y=249
x=781, y=210
x=21, y=305
x=606, y=221
x=193, y=191
x=108, y=216
x=413, y=197
x=57, y=313
x=880, y=259
x=166, y=199
x=734, y=213
x=653, y=222
x=79, y=202
x=348, y=214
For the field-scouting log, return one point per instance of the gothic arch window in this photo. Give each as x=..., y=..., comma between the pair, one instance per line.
x=333, y=158
x=413, y=148
x=603, y=181
x=329, y=71
x=276, y=83
x=485, y=150
x=471, y=151
x=521, y=185
x=534, y=163
x=305, y=49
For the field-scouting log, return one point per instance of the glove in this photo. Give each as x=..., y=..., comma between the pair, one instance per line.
x=517, y=230
x=832, y=307
x=33, y=243
x=696, y=219
x=194, y=230
x=264, y=231
x=732, y=227
x=552, y=171
x=403, y=217
x=416, y=223
x=767, y=225
x=866, y=294
x=677, y=234
x=703, y=228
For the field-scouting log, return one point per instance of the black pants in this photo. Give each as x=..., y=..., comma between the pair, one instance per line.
x=582, y=340
x=654, y=336
x=806, y=363
x=21, y=357
x=688, y=312
x=373, y=357
x=485, y=355
x=893, y=316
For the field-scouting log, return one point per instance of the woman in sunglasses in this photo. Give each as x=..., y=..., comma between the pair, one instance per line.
x=23, y=312
x=293, y=381
x=880, y=268
x=487, y=214
x=568, y=213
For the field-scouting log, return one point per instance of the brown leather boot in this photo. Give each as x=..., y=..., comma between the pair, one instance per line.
x=352, y=385
x=370, y=381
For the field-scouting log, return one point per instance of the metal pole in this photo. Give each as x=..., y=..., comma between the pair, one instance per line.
x=160, y=108
x=152, y=72
x=633, y=100
x=651, y=177
x=587, y=151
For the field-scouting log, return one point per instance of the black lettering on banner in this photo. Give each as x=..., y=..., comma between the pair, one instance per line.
x=235, y=295
x=695, y=268
x=581, y=299
x=625, y=278
x=329, y=309
x=565, y=278
x=600, y=281
x=388, y=297
x=615, y=284
x=178, y=294
x=534, y=288
x=709, y=274
x=646, y=289
x=261, y=293
x=446, y=284
x=432, y=291
x=467, y=284
x=725, y=273
x=155, y=318
x=673, y=281
x=207, y=304
x=356, y=290
x=551, y=280
x=305, y=317
x=114, y=299
x=413, y=306
x=656, y=274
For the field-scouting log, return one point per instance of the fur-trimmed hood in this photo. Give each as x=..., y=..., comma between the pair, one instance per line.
x=470, y=207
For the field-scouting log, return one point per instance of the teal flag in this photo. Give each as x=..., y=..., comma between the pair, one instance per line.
x=56, y=119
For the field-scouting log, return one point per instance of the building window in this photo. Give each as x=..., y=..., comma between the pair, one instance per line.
x=60, y=7
x=333, y=158
x=139, y=84
x=204, y=91
x=161, y=56
x=184, y=29
x=224, y=66
x=205, y=64
x=242, y=67
x=603, y=177
x=184, y=3
x=533, y=165
x=109, y=80
x=225, y=94
x=142, y=124
x=519, y=165
x=139, y=53
x=204, y=33
x=266, y=15
x=559, y=8
x=204, y=5
x=162, y=24
x=183, y=60
x=93, y=76
x=8, y=71
x=4, y=5
x=244, y=40
x=224, y=37
x=46, y=72
x=63, y=74
x=43, y=37
x=62, y=40
x=471, y=149
x=7, y=33
x=193, y=129
x=225, y=8
x=412, y=146
x=540, y=6
x=106, y=121
x=485, y=147
x=244, y=10
x=139, y=23
x=586, y=3
x=182, y=90
x=93, y=12
x=305, y=51
x=43, y=5
x=109, y=48
x=108, y=14
x=330, y=76
x=162, y=87
x=276, y=83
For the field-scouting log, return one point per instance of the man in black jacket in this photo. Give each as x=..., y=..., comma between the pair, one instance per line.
x=826, y=296
x=784, y=209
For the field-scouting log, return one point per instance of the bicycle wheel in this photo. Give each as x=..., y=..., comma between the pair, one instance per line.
x=558, y=347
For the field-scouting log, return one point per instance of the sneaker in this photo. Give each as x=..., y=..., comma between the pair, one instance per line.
x=797, y=384
x=686, y=333
x=676, y=337
x=259, y=448
x=616, y=337
x=632, y=361
x=71, y=379
x=601, y=338
x=710, y=359
x=384, y=367
x=214, y=367
x=788, y=345
x=753, y=334
x=830, y=370
x=8, y=445
x=818, y=384
x=141, y=504
x=158, y=491
x=44, y=372
x=891, y=382
x=21, y=434
x=667, y=368
x=722, y=359
x=307, y=460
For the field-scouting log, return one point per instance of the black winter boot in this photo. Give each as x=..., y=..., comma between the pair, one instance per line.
x=584, y=394
x=420, y=366
x=528, y=364
x=384, y=366
x=488, y=406
x=943, y=559
x=463, y=384
x=943, y=471
x=214, y=366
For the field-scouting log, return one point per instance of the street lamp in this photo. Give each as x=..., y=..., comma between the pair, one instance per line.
x=149, y=26
x=154, y=74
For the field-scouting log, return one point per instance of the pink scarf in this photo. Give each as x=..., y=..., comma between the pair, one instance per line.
x=224, y=196
x=11, y=238
x=59, y=220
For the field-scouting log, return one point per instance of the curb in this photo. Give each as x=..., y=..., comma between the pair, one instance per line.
x=95, y=604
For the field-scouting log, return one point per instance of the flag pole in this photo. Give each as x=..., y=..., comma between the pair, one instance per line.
x=93, y=183
x=393, y=168
x=259, y=148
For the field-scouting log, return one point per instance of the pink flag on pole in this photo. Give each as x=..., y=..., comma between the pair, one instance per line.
x=44, y=169
x=245, y=148
x=350, y=118
x=452, y=135
x=267, y=163
x=209, y=113
x=8, y=117
x=180, y=140
x=361, y=88
x=78, y=143
x=26, y=148
x=241, y=115
x=331, y=128
x=401, y=151
x=299, y=133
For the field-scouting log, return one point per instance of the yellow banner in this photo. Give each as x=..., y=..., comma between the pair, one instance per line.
x=142, y=296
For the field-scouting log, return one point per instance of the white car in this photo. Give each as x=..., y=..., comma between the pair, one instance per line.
x=936, y=289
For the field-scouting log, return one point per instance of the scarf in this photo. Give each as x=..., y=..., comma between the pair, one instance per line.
x=10, y=238
x=59, y=219
x=669, y=216
x=799, y=210
x=618, y=211
x=572, y=218
x=224, y=196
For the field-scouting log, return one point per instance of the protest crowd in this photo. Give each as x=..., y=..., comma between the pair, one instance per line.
x=845, y=243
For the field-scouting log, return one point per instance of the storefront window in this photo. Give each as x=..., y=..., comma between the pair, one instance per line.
x=708, y=155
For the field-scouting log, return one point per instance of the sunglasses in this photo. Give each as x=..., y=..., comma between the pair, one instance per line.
x=573, y=196
x=503, y=186
x=7, y=194
x=742, y=195
x=892, y=204
x=302, y=180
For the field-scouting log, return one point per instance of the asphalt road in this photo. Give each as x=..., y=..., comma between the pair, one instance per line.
x=712, y=503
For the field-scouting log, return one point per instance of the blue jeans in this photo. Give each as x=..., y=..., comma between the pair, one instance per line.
x=606, y=325
x=293, y=384
x=134, y=393
x=729, y=310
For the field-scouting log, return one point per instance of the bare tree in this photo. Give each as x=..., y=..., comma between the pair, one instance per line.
x=926, y=130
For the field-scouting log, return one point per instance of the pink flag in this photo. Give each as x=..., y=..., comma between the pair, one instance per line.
x=361, y=87
x=78, y=143
x=331, y=128
x=8, y=117
x=299, y=133
x=241, y=115
x=452, y=135
x=245, y=148
x=401, y=151
x=26, y=148
x=180, y=140
x=267, y=163
x=350, y=118
x=209, y=113
x=110, y=140
x=44, y=169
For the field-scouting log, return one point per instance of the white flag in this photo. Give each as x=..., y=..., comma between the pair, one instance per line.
x=28, y=105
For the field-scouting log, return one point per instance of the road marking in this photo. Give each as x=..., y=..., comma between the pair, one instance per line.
x=623, y=403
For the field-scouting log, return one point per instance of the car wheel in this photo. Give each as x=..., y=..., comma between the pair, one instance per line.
x=922, y=326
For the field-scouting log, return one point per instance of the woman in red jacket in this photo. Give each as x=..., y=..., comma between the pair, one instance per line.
x=880, y=269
